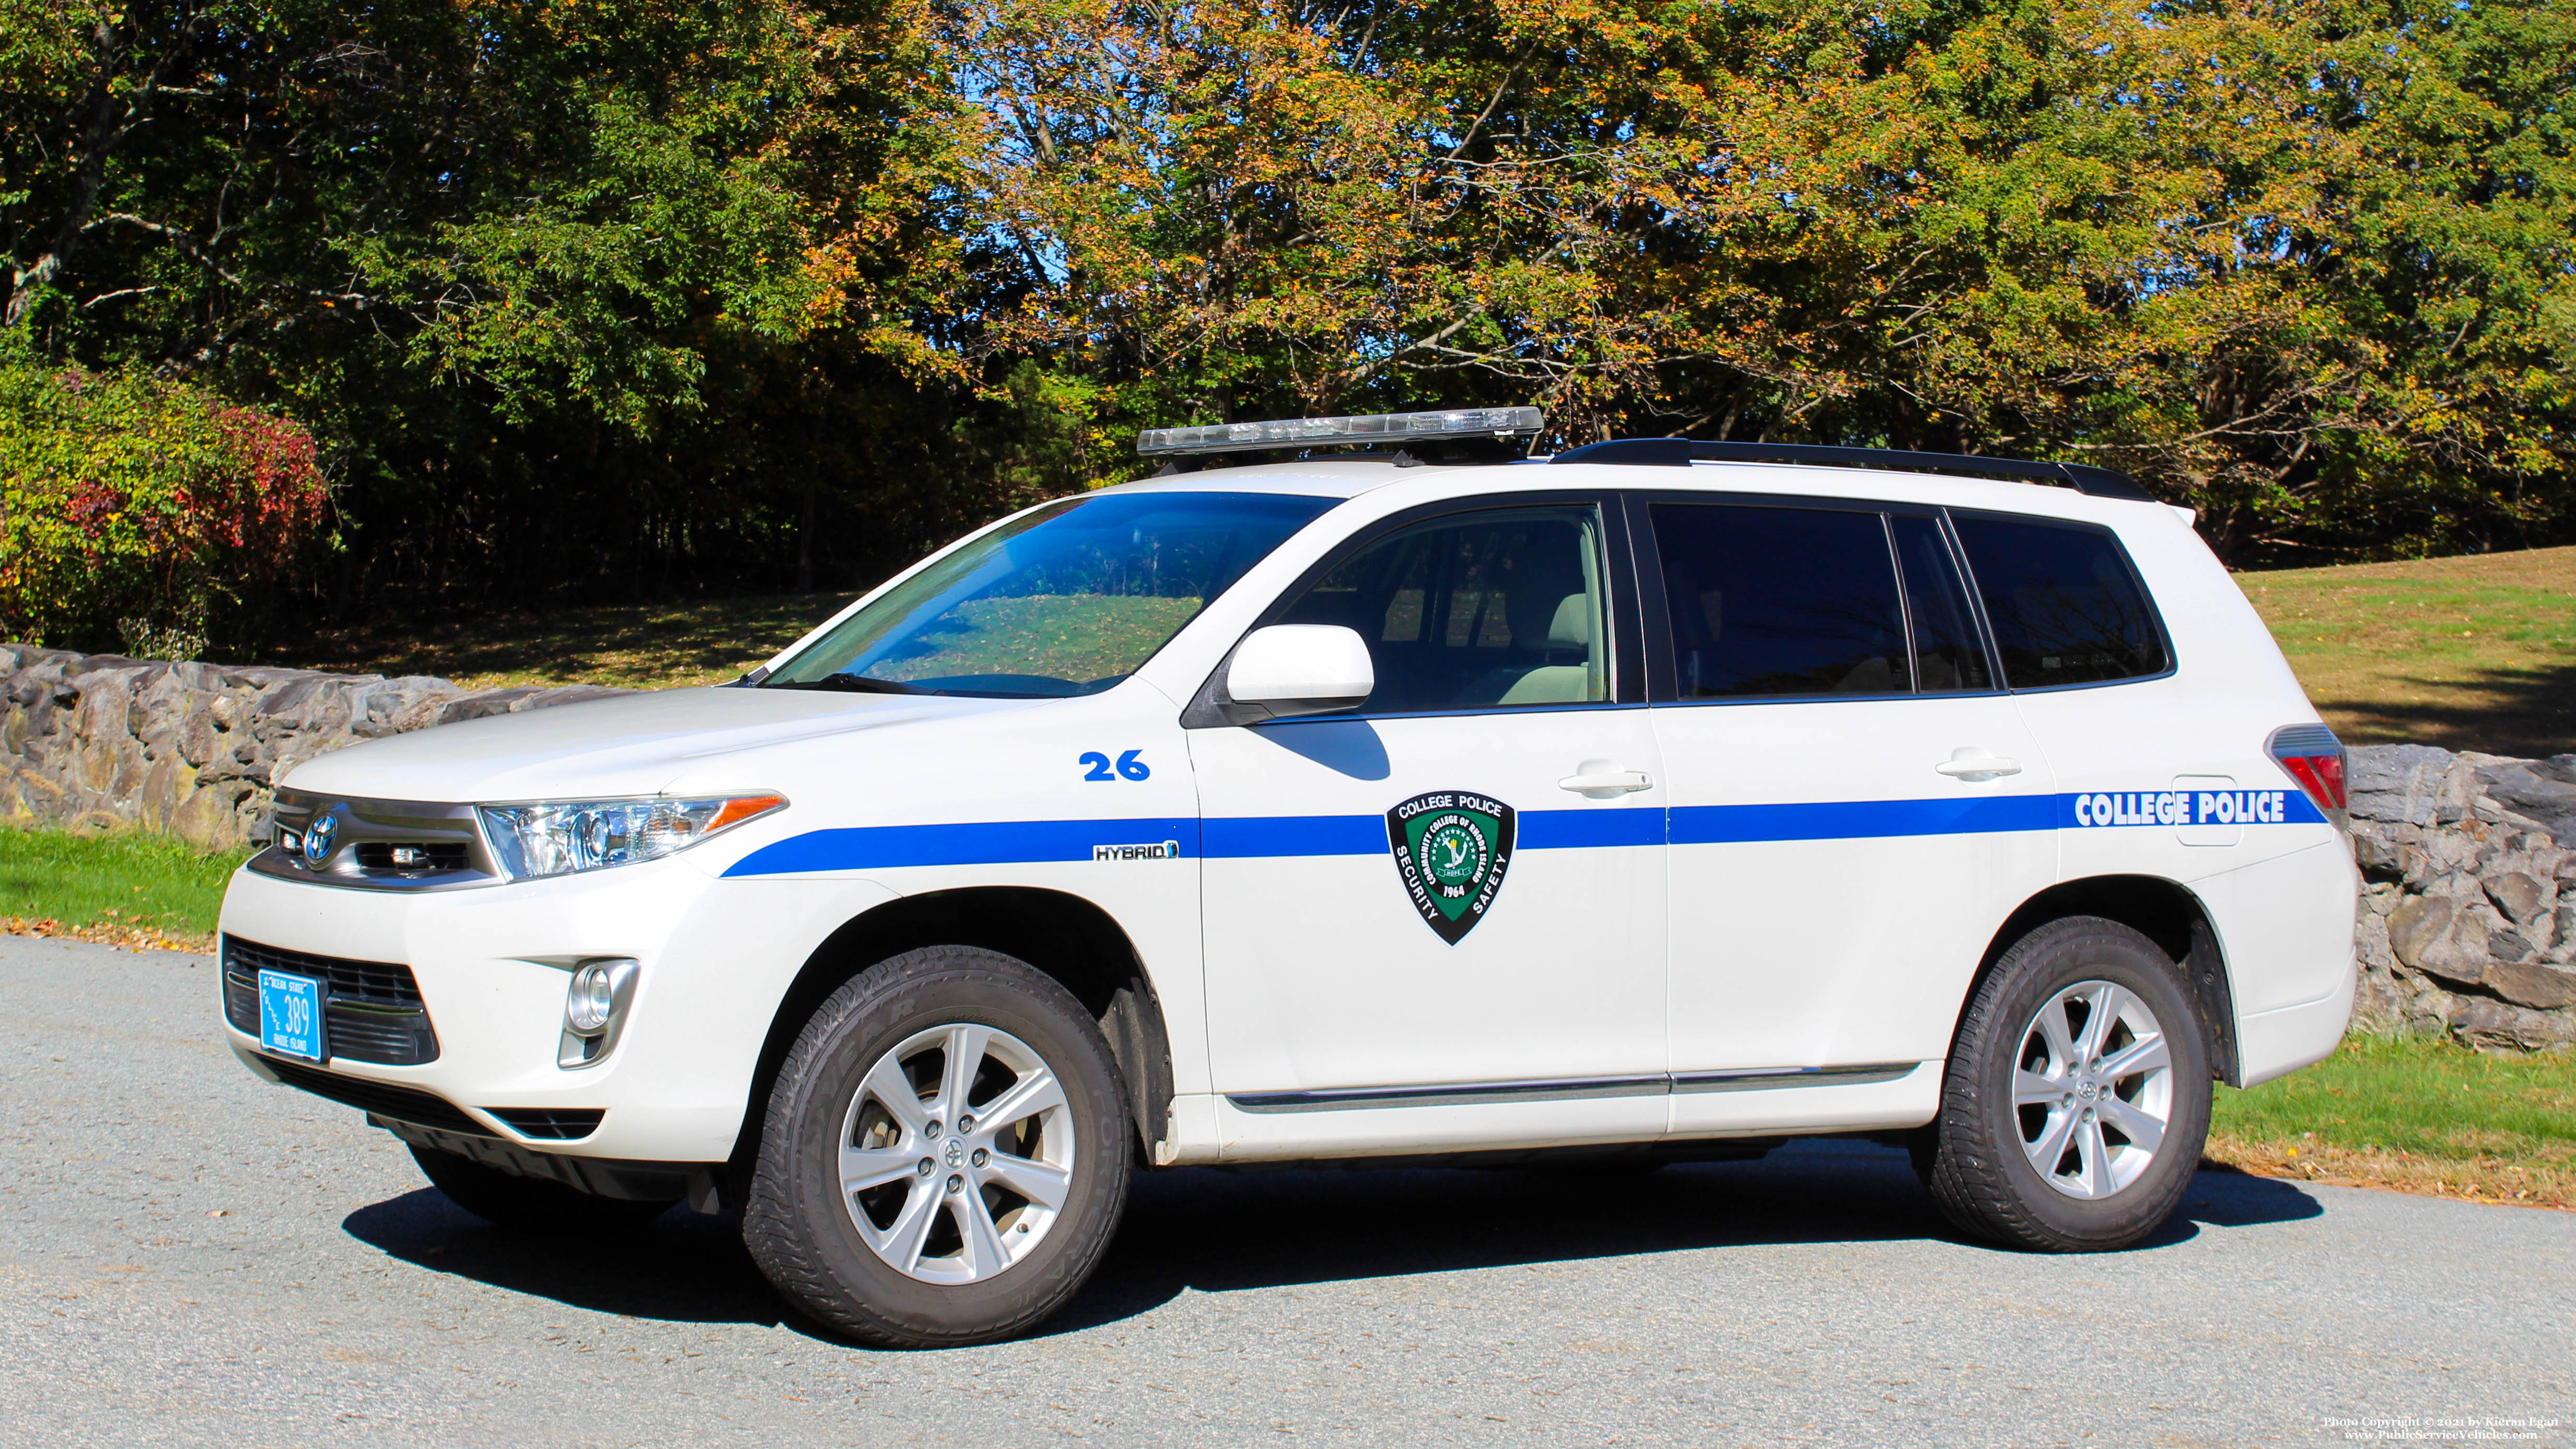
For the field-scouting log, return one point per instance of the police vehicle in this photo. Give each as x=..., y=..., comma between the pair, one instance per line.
x=1655, y=800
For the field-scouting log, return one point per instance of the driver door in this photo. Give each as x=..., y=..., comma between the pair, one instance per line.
x=1414, y=930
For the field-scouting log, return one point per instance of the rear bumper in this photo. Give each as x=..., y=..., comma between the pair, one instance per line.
x=2285, y=929
x=2276, y=1043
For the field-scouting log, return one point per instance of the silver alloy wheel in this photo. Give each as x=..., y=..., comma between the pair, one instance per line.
x=956, y=1153
x=2093, y=1089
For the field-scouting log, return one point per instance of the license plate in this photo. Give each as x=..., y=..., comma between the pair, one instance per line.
x=290, y=1015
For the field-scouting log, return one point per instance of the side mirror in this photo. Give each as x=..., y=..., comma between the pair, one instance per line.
x=1288, y=670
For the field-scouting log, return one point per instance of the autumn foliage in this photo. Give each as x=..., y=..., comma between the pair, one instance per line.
x=594, y=300
x=124, y=496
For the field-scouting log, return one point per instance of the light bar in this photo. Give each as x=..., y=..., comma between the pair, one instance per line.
x=1322, y=432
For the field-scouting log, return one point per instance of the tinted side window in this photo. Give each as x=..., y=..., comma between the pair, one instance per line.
x=1475, y=611
x=2065, y=607
x=1947, y=655
x=1780, y=601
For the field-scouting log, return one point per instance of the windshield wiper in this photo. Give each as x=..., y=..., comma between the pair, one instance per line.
x=850, y=684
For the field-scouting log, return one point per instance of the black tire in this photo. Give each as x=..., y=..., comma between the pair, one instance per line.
x=530, y=1204
x=802, y=1230
x=1974, y=1157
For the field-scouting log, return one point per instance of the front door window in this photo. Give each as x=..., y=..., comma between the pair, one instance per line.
x=1501, y=609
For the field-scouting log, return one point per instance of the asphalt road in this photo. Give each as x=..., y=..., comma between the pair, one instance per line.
x=188, y=1255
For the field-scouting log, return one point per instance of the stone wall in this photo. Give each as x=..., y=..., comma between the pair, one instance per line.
x=2468, y=919
x=102, y=741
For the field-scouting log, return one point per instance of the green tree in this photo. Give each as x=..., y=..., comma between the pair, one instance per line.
x=499, y=256
x=2297, y=265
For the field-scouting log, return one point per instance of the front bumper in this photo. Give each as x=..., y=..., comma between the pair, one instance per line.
x=492, y=966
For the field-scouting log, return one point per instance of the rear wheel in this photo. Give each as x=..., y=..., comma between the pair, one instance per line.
x=529, y=1204
x=2077, y=1095
x=945, y=1154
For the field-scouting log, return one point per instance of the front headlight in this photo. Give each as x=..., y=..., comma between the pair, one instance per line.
x=561, y=837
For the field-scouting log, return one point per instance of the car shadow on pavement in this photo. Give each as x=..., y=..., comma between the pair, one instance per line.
x=1215, y=1231
x=681, y=1268
x=2223, y=1197
x=1212, y=1231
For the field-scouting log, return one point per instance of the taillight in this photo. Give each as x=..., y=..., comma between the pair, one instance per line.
x=2314, y=758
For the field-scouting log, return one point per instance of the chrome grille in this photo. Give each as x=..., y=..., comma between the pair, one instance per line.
x=371, y=1010
x=385, y=845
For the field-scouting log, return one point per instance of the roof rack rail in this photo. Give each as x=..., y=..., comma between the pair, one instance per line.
x=1682, y=452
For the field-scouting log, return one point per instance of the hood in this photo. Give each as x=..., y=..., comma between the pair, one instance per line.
x=633, y=745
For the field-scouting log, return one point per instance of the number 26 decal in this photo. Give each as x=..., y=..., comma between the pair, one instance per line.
x=1128, y=765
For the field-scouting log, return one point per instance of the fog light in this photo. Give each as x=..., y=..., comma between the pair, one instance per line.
x=594, y=993
x=594, y=1008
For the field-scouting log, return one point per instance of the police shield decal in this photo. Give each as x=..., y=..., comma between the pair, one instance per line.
x=1452, y=848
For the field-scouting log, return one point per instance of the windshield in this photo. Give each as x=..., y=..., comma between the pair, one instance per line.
x=1067, y=600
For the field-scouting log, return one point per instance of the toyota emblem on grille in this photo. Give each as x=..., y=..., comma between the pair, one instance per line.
x=317, y=839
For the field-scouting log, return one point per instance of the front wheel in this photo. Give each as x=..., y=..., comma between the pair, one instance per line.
x=2077, y=1095
x=945, y=1155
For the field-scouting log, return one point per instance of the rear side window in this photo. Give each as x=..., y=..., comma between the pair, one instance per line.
x=1780, y=602
x=2063, y=602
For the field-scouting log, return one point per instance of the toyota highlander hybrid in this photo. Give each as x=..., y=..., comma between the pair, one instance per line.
x=1657, y=800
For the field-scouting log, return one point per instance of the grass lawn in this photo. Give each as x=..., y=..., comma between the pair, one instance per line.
x=2475, y=653
x=2416, y=1115
x=134, y=890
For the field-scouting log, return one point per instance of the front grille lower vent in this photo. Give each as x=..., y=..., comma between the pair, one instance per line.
x=381, y=1099
x=412, y=857
x=553, y=1124
x=371, y=1012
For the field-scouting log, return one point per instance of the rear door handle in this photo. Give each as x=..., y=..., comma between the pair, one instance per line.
x=1971, y=763
x=1602, y=780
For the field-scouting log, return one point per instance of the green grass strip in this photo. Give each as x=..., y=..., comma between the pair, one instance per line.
x=2425, y=1096
x=122, y=879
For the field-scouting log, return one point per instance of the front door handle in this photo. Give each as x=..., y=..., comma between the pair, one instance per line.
x=1604, y=780
x=1971, y=763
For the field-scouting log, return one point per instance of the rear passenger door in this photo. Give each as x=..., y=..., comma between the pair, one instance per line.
x=1855, y=802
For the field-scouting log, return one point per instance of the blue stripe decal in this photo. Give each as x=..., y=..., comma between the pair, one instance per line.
x=1260, y=837
x=1860, y=819
x=1590, y=829
x=992, y=842
x=1016, y=842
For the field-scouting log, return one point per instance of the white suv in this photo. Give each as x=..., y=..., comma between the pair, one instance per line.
x=1655, y=801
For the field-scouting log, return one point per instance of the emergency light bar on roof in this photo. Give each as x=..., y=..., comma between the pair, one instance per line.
x=1328, y=432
